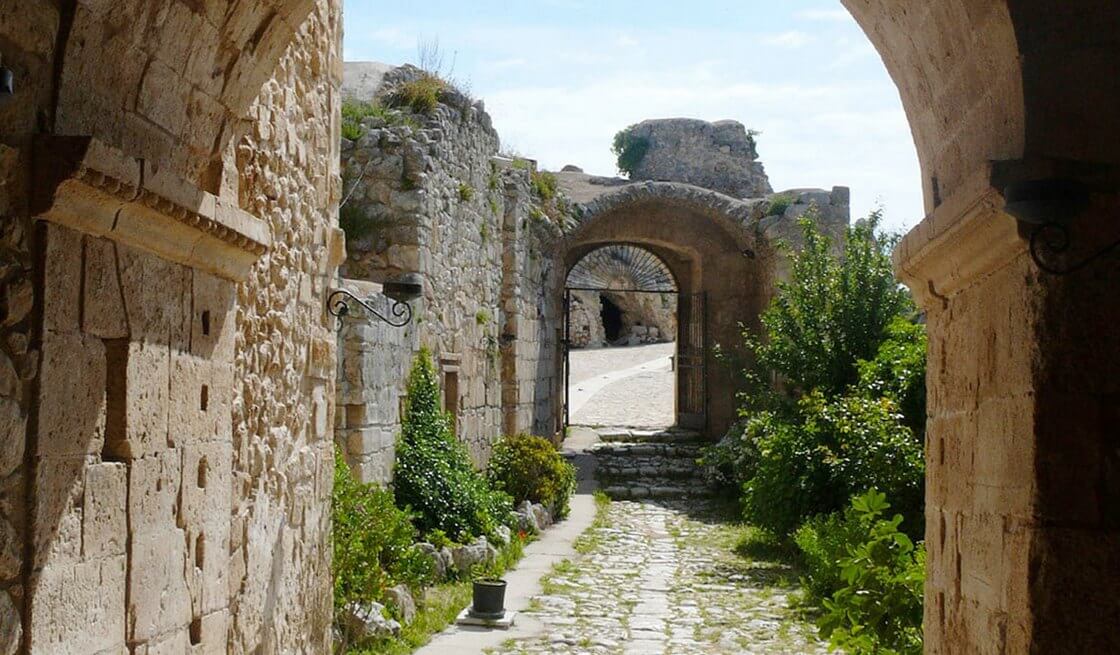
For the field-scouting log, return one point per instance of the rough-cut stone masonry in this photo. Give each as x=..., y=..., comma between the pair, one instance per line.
x=436, y=200
x=167, y=370
x=719, y=156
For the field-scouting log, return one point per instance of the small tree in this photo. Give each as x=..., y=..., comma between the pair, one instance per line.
x=834, y=311
x=630, y=149
x=434, y=476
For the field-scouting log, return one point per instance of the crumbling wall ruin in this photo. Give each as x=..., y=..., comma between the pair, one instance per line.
x=427, y=194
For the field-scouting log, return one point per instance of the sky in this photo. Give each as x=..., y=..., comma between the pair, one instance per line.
x=561, y=77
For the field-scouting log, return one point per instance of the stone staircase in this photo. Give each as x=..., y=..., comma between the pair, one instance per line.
x=631, y=464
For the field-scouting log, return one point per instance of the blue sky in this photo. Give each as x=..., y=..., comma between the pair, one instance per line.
x=560, y=77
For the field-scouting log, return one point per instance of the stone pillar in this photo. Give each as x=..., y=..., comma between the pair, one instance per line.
x=1023, y=479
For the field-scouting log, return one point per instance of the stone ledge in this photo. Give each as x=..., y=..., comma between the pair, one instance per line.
x=96, y=189
x=963, y=241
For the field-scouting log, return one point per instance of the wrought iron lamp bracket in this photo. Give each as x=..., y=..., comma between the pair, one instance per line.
x=1052, y=240
x=341, y=303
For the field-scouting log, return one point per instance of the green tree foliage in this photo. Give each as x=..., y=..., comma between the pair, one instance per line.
x=372, y=541
x=630, y=150
x=877, y=607
x=834, y=311
x=434, y=476
x=898, y=372
x=530, y=468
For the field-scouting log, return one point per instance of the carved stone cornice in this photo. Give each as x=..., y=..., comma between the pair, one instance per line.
x=967, y=238
x=91, y=187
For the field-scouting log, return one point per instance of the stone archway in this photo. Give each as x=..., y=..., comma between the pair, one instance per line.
x=712, y=246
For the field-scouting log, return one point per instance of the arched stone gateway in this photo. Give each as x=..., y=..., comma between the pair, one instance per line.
x=723, y=269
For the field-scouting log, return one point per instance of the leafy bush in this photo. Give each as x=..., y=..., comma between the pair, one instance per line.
x=372, y=541
x=822, y=542
x=434, y=476
x=779, y=204
x=421, y=95
x=630, y=150
x=878, y=607
x=466, y=192
x=544, y=184
x=898, y=371
x=530, y=468
x=836, y=449
x=834, y=311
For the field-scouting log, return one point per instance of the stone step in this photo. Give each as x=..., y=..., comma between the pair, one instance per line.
x=635, y=435
x=663, y=491
x=688, y=451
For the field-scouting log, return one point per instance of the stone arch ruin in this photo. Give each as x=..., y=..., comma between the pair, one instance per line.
x=169, y=189
x=696, y=233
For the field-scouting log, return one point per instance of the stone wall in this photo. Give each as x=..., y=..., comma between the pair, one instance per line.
x=645, y=318
x=427, y=195
x=167, y=370
x=720, y=156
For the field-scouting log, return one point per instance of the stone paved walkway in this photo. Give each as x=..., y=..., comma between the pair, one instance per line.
x=643, y=398
x=656, y=579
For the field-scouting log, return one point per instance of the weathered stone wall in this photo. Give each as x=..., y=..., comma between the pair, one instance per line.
x=429, y=197
x=646, y=318
x=532, y=385
x=719, y=156
x=373, y=364
x=171, y=491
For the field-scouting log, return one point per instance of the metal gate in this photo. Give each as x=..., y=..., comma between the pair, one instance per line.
x=692, y=349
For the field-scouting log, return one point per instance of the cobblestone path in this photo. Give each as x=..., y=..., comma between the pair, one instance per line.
x=656, y=579
x=643, y=399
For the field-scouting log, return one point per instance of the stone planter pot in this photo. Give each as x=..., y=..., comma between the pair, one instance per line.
x=489, y=599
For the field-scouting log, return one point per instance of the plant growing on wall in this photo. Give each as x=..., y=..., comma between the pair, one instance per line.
x=434, y=476
x=630, y=150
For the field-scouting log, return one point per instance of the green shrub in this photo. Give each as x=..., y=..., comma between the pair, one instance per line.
x=544, y=184
x=822, y=542
x=779, y=204
x=629, y=149
x=521, y=164
x=434, y=476
x=530, y=468
x=421, y=95
x=466, y=192
x=372, y=541
x=878, y=607
x=898, y=371
x=834, y=311
x=813, y=463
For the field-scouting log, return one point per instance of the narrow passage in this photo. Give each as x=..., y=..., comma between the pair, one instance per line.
x=665, y=578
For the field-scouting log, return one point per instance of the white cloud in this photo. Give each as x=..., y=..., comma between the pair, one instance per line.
x=507, y=64
x=791, y=39
x=826, y=15
x=627, y=41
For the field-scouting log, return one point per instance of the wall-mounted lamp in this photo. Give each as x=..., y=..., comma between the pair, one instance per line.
x=1048, y=206
x=400, y=290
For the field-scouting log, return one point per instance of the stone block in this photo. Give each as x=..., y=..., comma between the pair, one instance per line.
x=143, y=428
x=192, y=414
x=62, y=298
x=103, y=312
x=159, y=599
x=57, y=521
x=74, y=420
x=104, y=506
x=213, y=320
x=79, y=608
x=154, y=485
